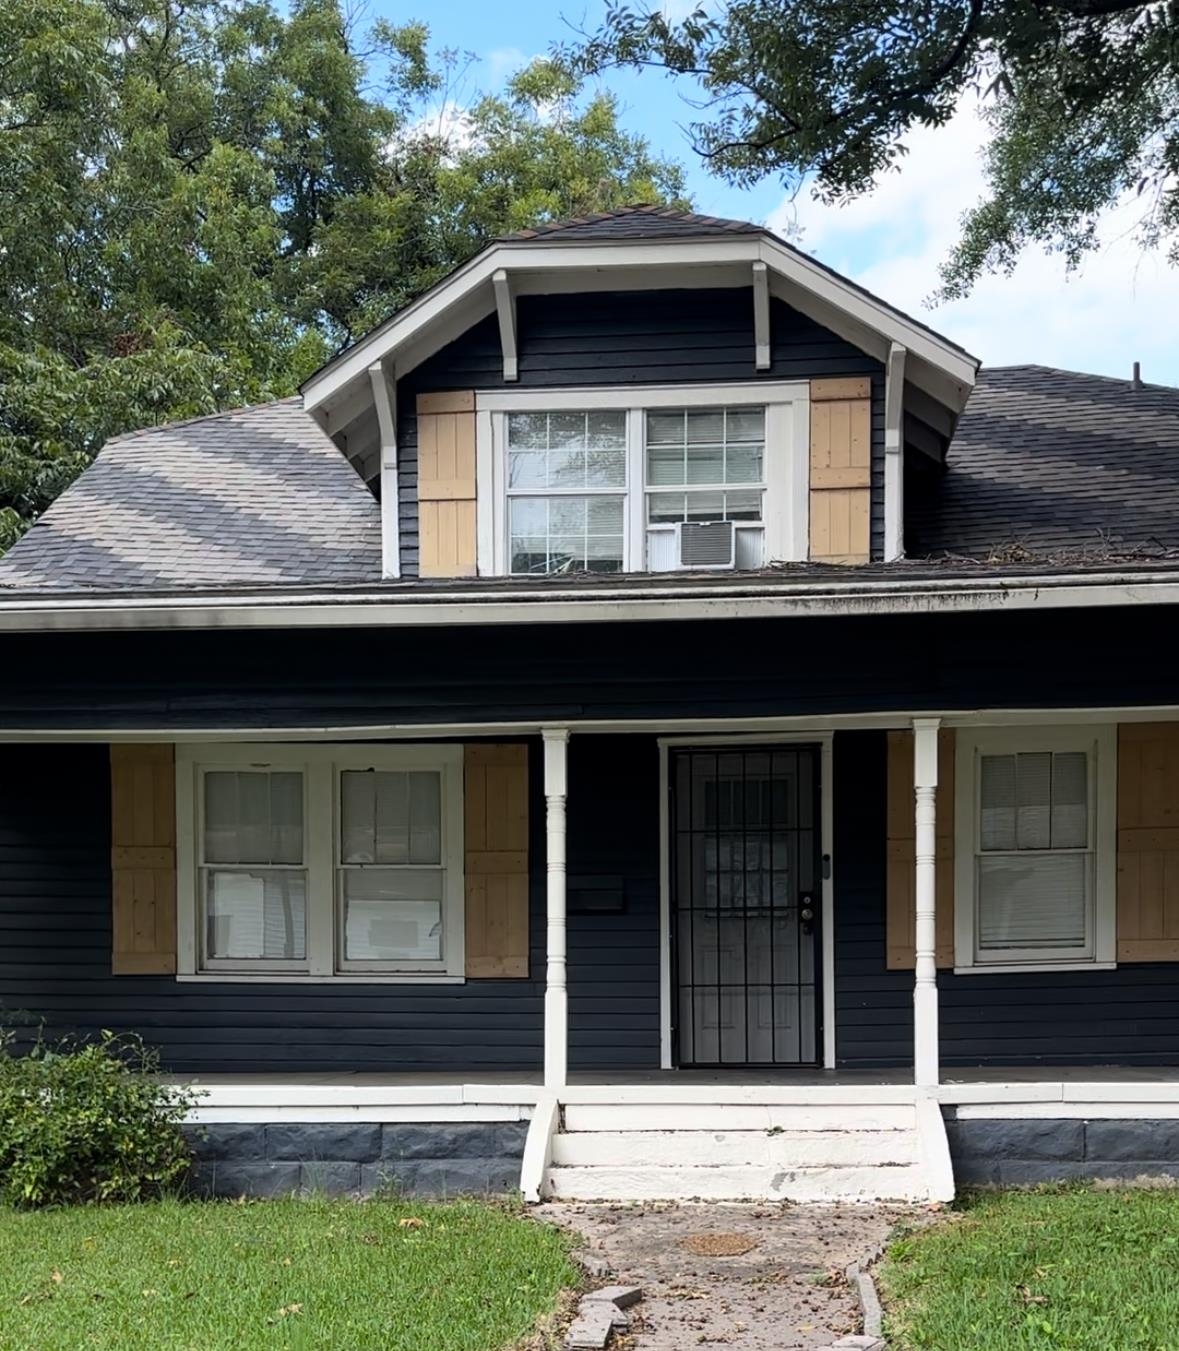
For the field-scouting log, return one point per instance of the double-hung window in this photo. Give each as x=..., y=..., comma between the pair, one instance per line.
x=601, y=480
x=1036, y=848
x=253, y=869
x=705, y=464
x=566, y=484
x=320, y=862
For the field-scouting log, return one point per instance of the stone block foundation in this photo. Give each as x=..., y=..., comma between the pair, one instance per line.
x=1010, y=1152
x=438, y=1159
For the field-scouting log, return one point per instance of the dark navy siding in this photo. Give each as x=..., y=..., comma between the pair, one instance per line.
x=1127, y=1016
x=55, y=939
x=633, y=337
x=702, y=669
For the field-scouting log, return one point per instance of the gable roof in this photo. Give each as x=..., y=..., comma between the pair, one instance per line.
x=638, y=222
x=255, y=495
x=641, y=246
x=1047, y=461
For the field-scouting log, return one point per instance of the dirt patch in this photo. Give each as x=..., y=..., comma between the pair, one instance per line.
x=718, y=1245
x=776, y=1292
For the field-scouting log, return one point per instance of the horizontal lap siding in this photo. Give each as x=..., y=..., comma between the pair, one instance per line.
x=443, y=674
x=1129, y=1015
x=55, y=939
x=627, y=338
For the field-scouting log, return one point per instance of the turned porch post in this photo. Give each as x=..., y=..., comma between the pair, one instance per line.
x=556, y=998
x=925, y=1016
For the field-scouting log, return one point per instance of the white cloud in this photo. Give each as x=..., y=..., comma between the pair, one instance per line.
x=503, y=63
x=448, y=121
x=1118, y=308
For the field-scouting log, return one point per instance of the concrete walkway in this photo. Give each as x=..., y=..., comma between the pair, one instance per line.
x=750, y=1278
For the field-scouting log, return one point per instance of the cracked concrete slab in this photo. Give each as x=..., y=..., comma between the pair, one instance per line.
x=787, y=1292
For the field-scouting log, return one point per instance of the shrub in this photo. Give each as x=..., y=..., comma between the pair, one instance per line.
x=88, y=1122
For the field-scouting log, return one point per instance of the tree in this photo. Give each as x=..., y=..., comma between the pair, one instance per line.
x=202, y=200
x=1082, y=99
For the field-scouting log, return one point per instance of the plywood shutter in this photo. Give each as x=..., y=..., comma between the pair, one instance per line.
x=446, y=484
x=1148, y=842
x=841, y=470
x=143, y=860
x=496, y=844
x=901, y=927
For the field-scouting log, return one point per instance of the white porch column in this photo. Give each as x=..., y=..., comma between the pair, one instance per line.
x=556, y=998
x=925, y=1029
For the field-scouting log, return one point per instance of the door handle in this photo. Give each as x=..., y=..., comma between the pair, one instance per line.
x=806, y=913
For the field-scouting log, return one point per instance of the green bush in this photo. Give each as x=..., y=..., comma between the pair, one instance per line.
x=88, y=1122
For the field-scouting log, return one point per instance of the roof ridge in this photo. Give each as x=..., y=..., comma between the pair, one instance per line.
x=660, y=209
x=203, y=417
x=1125, y=380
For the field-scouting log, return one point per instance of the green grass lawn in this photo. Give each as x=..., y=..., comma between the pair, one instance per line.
x=329, y=1275
x=1053, y=1269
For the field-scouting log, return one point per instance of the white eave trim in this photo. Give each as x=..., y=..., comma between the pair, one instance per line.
x=591, y=603
x=570, y=256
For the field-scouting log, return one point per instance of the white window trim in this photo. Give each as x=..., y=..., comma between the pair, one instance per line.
x=786, y=463
x=321, y=765
x=1101, y=744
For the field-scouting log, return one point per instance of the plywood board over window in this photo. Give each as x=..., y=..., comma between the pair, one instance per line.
x=446, y=484
x=840, y=470
x=143, y=860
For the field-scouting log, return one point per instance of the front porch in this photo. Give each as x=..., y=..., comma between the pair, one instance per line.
x=664, y=1134
x=751, y=892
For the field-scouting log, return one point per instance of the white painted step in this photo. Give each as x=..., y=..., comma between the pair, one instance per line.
x=738, y=1183
x=662, y=1116
x=788, y=1149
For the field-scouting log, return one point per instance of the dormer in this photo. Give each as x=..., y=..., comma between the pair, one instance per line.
x=641, y=391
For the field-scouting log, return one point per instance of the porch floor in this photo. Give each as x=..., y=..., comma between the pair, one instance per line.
x=783, y=1078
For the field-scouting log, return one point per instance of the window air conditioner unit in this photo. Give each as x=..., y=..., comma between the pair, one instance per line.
x=708, y=544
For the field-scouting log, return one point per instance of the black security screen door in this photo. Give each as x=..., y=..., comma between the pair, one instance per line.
x=745, y=867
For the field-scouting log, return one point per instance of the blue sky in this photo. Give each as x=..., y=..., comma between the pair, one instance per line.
x=1119, y=308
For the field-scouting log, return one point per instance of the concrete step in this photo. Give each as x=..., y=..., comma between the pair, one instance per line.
x=906, y=1182
x=665, y=1116
x=702, y=1149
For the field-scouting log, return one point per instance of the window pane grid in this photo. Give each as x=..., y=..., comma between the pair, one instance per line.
x=704, y=452
x=566, y=534
x=251, y=867
x=705, y=446
x=1034, y=856
x=391, y=878
x=570, y=451
x=565, y=510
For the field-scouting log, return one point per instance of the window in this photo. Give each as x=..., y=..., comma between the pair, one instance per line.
x=1035, y=848
x=392, y=878
x=253, y=869
x=715, y=457
x=565, y=471
x=597, y=480
x=321, y=862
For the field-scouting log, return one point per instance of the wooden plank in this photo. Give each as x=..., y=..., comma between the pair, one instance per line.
x=143, y=860
x=1148, y=843
x=840, y=473
x=448, y=401
x=447, y=487
x=495, y=810
x=844, y=387
x=850, y=476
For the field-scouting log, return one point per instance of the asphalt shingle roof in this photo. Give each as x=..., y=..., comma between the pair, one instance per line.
x=1046, y=460
x=639, y=222
x=257, y=495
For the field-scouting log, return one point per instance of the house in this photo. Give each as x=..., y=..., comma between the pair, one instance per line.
x=651, y=719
